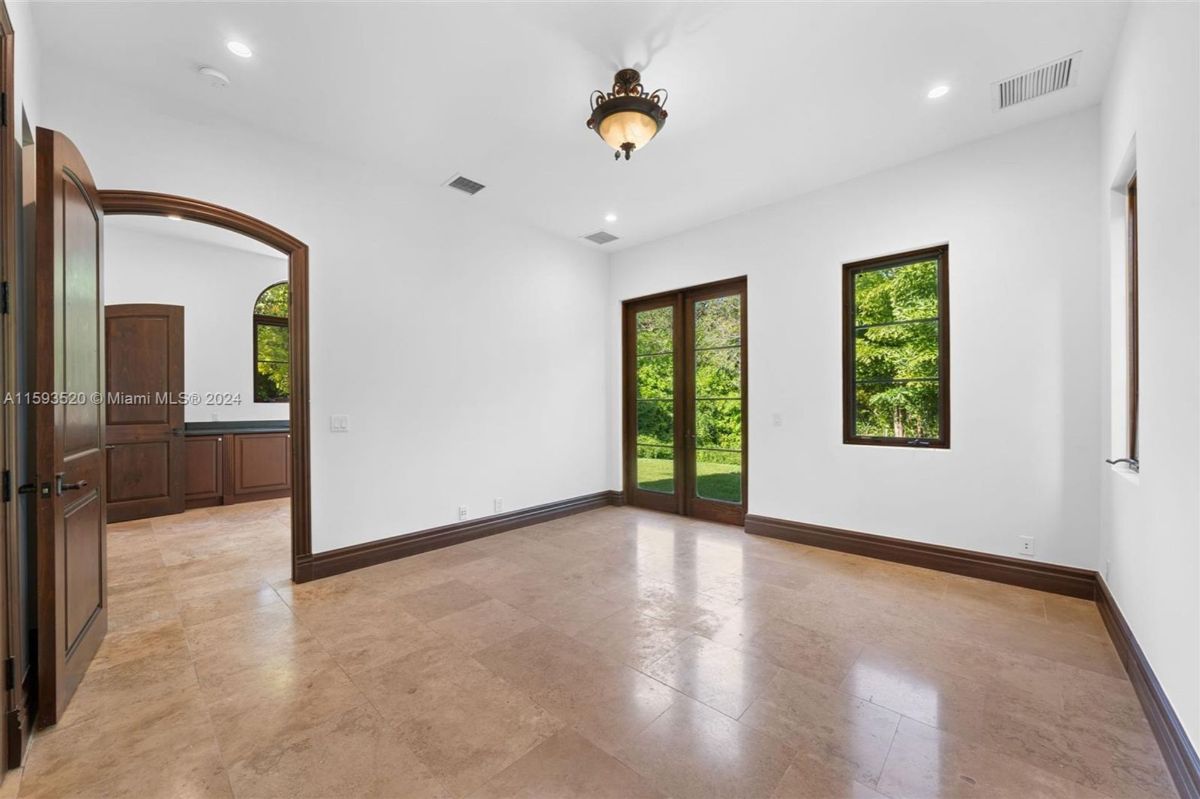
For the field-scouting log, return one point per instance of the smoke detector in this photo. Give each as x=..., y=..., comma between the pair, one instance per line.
x=215, y=77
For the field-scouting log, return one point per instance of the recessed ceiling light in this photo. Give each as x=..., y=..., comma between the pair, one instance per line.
x=610, y=217
x=175, y=217
x=238, y=49
x=938, y=91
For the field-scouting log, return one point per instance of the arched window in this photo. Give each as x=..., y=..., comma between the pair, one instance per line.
x=271, y=354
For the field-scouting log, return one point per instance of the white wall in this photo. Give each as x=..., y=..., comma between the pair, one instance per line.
x=467, y=352
x=26, y=70
x=1150, y=545
x=217, y=287
x=1019, y=214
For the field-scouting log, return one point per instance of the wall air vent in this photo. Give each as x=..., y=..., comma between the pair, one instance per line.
x=601, y=237
x=1032, y=83
x=465, y=185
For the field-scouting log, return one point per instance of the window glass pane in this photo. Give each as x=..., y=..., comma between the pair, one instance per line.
x=719, y=476
x=655, y=331
x=719, y=424
x=897, y=410
x=896, y=293
x=719, y=322
x=272, y=341
x=274, y=301
x=656, y=469
x=896, y=352
x=656, y=422
x=656, y=376
x=719, y=373
x=271, y=380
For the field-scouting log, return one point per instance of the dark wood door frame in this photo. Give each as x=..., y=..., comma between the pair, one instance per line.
x=15, y=726
x=125, y=202
x=679, y=300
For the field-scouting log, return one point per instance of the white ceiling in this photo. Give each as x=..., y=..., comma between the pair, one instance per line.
x=767, y=100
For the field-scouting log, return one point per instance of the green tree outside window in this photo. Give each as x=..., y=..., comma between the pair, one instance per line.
x=272, y=361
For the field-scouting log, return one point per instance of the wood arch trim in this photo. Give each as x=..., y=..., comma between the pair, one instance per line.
x=148, y=203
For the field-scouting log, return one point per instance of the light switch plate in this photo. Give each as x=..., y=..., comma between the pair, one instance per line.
x=339, y=423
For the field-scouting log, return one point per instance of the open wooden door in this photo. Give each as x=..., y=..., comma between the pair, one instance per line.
x=144, y=427
x=72, y=572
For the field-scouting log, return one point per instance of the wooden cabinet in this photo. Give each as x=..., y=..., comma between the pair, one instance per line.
x=203, y=470
x=258, y=465
x=237, y=467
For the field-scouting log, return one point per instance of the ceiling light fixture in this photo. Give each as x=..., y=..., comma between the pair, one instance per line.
x=627, y=118
x=938, y=91
x=175, y=217
x=610, y=217
x=240, y=50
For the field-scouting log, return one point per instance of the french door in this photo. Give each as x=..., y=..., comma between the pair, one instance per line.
x=685, y=401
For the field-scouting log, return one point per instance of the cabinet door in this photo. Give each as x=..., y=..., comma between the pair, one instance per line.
x=203, y=484
x=260, y=465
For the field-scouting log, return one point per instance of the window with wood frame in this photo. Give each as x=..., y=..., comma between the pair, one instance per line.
x=896, y=350
x=1131, y=298
x=272, y=362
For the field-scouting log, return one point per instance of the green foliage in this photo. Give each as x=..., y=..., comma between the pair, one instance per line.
x=713, y=480
x=272, y=381
x=896, y=351
x=274, y=301
x=718, y=337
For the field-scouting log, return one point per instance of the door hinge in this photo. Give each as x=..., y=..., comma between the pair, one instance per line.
x=4, y=297
x=4, y=109
x=10, y=673
x=6, y=486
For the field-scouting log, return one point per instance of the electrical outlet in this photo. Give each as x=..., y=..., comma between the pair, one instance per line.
x=339, y=423
x=462, y=512
x=497, y=505
x=1025, y=545
x=777, y=420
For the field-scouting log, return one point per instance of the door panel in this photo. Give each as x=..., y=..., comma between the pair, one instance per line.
x=715, y=389
x=653, y=379
x=72, y=583
x=144, y=430
x=685, y=400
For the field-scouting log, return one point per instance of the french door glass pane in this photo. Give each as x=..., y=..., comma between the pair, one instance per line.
x=719, y=424
x=719, y=322
x=656, y=469
x=655, y=331
x=656, y=407
x=719, y=475
x=656, y=422
x=717, y=402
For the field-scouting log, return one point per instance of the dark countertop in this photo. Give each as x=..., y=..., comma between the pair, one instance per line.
x=229, y=428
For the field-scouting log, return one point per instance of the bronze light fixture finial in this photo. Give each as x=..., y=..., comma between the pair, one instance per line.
x=627, y=117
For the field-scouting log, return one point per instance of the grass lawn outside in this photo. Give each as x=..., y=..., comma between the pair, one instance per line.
x=722, y=481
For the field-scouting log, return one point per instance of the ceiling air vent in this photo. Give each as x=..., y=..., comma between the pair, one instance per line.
x=1036, y=82
x=465, y=185
x=601, y=237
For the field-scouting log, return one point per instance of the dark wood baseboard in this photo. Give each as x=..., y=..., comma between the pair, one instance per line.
x=337, y=561
x=998, y=568
x=1177, y=750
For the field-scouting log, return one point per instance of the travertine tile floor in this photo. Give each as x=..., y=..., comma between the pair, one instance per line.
x=617, y=653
